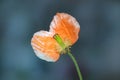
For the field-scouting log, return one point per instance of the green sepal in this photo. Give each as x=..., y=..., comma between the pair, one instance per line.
x=59, y=41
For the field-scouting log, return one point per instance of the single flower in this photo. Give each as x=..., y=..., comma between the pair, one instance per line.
x=63, y=33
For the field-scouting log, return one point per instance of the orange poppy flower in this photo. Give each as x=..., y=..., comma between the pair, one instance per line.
x=63, y=33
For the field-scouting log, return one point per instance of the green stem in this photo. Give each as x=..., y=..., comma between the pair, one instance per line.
x=76, y=65
x=61, y=43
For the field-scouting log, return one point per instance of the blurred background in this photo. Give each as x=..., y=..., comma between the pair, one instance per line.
x=97, y=50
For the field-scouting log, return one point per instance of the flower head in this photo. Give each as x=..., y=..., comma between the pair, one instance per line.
x=63, y=33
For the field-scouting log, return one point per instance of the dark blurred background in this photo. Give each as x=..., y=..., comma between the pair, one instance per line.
x=97, y=50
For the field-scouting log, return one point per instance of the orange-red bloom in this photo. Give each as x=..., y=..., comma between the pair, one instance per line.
x=43, y=42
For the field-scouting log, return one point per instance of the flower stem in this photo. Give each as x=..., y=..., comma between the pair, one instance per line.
x=76, y=65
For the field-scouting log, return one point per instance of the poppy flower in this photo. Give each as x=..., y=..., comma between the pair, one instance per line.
x=63, y=33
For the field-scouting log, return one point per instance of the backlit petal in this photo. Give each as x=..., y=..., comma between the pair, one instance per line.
x=66, y=26
x=45, y=46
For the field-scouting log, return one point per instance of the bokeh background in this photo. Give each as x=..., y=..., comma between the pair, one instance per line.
x=97, y=50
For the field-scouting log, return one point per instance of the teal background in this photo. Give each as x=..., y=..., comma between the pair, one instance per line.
x=97, y=50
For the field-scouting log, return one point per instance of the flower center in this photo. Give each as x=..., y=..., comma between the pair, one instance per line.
x=59, y=40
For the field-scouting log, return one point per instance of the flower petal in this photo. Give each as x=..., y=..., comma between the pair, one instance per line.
x=45, y=46
x=66, y=26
